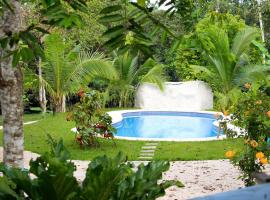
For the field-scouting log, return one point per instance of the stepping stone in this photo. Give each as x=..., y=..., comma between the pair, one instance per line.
x=147, y=154
x=149, y=147
x=145, y=158
x=147, y=151
x=151, y=144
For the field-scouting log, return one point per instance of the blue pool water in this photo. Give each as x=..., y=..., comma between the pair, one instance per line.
x=170, y=125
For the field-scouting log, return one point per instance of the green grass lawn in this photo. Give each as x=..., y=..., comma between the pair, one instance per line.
x=58, y=127
x=207, y=150
x=28, y=117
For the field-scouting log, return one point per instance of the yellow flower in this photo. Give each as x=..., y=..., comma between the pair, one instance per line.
x=263, y=161
x=230, y=154
x=268, y=113
x=253, y=143
x=225, y=113
x=247, y=85
x=260, y=155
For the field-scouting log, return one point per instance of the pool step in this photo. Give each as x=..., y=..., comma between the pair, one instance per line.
x=148, y=151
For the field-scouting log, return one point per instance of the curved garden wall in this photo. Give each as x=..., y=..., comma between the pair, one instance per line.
x=190, y=95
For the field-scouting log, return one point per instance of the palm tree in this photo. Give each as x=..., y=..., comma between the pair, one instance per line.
x=65, y=70
x=131, y=74
x=227, y=62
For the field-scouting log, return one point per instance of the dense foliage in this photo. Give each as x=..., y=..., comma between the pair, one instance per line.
x=106, y=178
x=252, y=114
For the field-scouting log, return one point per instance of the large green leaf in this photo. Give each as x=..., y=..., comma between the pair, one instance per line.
x=110, y=18
x=110, y=9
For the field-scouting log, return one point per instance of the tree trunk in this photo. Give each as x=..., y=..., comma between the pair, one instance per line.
x=261, y=26
x=42, y=91
x=60, y=104
x=11, y=91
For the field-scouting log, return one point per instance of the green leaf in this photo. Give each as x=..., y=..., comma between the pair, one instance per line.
x=16, y=58
x=114, y=41
x=26, y=54
x=141, y=3
x=5, y=189
x=110, y=9
x=113, y=32
x=110, y=18
x=4, y=42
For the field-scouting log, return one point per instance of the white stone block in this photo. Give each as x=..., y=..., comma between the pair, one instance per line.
x=190, y=95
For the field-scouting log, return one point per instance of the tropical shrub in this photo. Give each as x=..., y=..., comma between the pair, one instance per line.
x=90, y=119
x=66, y=69
x=252, y=114
x=131, y=74
x=106, y=178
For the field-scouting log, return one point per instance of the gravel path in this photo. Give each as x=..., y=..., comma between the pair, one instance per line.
x=199, y=177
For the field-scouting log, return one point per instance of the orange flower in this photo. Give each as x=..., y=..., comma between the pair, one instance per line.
x=263, y=161
x=259, y=102
x=268, y=113
x=260, y=155
x=253, y=143
x=225, y=113
x=81, y=93
x=247, y=85
x=230, y=154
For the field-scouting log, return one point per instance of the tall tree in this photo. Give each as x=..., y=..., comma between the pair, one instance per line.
x=11, y=89
x=20, y=46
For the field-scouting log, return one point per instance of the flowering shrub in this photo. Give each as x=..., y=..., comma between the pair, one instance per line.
x=253, y=115
x=90, y=120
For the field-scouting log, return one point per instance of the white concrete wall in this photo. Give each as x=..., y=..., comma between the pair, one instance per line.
x=190, y=95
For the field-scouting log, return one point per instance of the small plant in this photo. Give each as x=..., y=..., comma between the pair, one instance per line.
x=90, y=119
x=252, y=114
x=106, y=178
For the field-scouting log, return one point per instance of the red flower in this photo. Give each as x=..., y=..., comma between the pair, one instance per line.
x=81, y=93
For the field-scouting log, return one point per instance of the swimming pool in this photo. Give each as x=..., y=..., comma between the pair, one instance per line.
x=166, y=125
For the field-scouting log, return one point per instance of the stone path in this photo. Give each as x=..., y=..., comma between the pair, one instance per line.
x=26, y=123
x=148, y=151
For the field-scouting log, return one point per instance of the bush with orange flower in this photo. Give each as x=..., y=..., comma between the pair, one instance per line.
x=251, y=114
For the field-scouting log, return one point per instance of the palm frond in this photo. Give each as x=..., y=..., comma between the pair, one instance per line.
x=89, y=66
x=253, y=73
x=155, y=76
x=242, y=40
x=199, y=69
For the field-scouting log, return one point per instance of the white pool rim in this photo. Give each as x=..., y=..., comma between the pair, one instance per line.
x=117, y=116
